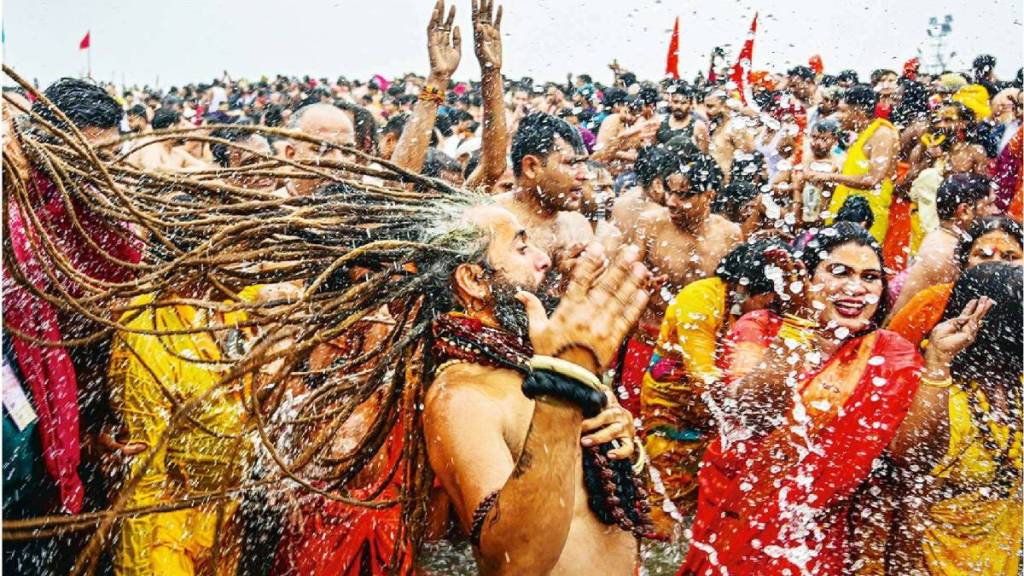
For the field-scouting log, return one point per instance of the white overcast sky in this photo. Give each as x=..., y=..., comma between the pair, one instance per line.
x=194, y=40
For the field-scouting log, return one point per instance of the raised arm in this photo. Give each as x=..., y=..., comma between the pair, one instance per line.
x=444, y=45
x=487, y=43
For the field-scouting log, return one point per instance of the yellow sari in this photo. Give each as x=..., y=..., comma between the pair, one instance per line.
x=149, y=377
x=975, y=532
x=879, y=198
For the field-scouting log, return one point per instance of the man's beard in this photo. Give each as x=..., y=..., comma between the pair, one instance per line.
x=510, y=312
x=680, y=113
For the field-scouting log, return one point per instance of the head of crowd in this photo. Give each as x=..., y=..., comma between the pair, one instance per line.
x=414, y=288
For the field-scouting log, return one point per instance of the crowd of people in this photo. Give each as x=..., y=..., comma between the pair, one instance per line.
x=777, y=324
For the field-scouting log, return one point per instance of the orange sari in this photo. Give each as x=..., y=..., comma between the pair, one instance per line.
x=778, y=503
x=924, y=311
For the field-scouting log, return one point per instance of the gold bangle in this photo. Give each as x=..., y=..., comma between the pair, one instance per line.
x=567, y=369
x=796, y=331
x=641, y=457
x=944, y=383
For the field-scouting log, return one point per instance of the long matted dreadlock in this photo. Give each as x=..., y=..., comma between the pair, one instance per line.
x=200, y=229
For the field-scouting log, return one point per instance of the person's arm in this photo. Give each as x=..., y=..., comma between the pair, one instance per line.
x=618, y=140
x=701, y=135
x=494, y=148
x=884, y=146
x=923, y=437
x=526, y=529
x=444, y=45
x=928, y=270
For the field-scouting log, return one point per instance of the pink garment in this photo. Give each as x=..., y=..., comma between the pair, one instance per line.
x=48, y=370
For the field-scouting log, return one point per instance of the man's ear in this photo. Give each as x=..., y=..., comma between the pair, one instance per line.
x=289, y=151
x=469, y=283
x=531, y=166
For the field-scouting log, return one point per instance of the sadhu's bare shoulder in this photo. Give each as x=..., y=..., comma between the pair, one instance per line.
x=465, y=384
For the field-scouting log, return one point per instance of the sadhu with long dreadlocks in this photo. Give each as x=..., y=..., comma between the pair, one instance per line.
x=451, y=275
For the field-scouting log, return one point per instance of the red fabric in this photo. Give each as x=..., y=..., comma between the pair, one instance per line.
x=741, y=70
x=910, y=68
x=631, y=374
x=672, y=63
x=85, y=42
x=1006, y=170
x=896, y=248
x=339, y=539
x=749, y=497
x=48, y=370
x=816, y=64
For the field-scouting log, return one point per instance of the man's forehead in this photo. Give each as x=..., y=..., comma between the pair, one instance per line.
x=495, y=220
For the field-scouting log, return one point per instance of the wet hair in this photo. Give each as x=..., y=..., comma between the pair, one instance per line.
x=702, y=173
x=165, y=118
x=222, y=152
x=830, y=125
x=745, y=265
x=960, y=189
x=648, y=96
x=395, y=125
x=982, y=226
x=802, y=72
x=856, y=209
x=839, y=234
x=615, y=96
x=364, y=125
x=437, y=162
x=848, y=76
x=877, y=75
x=913, y=104
x=861, y=96
x=137, y=111
x=536, y=137
x=996, y=354
x=272, y=116
x=748, y=168
x=983, y=64
x=730, y=202
x=655, y=163
x=84, y=103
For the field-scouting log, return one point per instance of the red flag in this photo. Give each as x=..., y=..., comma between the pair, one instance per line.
x=85, y=42
x=741, y=70
x=672, y=65
x=816, y=64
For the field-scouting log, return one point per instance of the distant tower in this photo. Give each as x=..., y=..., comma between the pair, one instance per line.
x=937, y=57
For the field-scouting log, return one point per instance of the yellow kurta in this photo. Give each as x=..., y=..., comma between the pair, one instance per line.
x=880, y=197
x=976, y=533
x=149, y=376
x=672, y=409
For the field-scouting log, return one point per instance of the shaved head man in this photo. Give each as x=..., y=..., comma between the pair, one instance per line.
x=325, y=122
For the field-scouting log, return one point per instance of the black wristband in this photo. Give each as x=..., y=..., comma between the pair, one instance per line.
x=548, y=383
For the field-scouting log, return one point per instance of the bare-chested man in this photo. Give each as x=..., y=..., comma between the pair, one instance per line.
x=512, y=465
x=681, y=241
x=322, y=121
x=942, y=149
x=548, y=159
x=652, y=167
x=729, y=132
x=165, y=155
x=961, y=198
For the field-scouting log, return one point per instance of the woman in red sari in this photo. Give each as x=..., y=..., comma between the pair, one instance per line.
x=810, y=399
